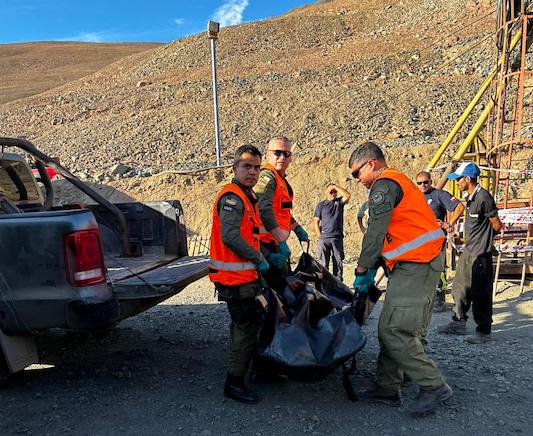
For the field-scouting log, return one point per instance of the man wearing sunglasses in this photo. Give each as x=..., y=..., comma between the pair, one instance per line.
x=275, y=197
x=403, y=232
x=442, y=203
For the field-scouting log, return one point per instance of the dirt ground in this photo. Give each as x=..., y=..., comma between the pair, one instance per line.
x=162, y=373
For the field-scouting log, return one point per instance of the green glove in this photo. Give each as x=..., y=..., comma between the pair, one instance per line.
x=301, y=234
x=363, y=281
x=284, y=249
x=277, y=260
x=263, y=266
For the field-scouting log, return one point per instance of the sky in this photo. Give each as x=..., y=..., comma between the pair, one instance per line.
x=126, y=20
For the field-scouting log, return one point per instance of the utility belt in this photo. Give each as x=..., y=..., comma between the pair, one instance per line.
x=246, y=291
x=249, y=297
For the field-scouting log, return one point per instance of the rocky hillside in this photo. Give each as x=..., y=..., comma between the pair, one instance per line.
x=328, y=75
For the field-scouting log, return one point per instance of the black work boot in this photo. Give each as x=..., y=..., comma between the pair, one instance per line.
x=381, y=394
x=236, y=389
x=427, y=400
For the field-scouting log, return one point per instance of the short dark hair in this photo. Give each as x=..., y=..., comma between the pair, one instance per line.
x=246, y=148
x=424, y=173
x=367, y=150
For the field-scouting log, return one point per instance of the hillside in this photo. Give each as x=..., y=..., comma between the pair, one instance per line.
x=328, y=75
x=31, y=68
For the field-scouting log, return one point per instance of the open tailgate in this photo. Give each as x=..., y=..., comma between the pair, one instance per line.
x=163, y=281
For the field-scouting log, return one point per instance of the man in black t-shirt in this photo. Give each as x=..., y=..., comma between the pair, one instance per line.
x=328, y=224
x=441, y=202
x=473, y=279
x=438, y=200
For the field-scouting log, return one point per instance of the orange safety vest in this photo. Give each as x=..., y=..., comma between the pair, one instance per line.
x=226, y=267
x=281, y=206
x=413, y=234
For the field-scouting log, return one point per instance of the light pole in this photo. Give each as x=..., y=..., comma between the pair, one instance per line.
x=212, y=31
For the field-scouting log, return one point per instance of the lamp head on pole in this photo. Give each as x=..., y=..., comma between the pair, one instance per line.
x=212, y=29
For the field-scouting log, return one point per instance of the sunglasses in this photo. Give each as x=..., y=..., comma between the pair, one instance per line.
x=285, y=153
x=423, y=182
x=355, y=173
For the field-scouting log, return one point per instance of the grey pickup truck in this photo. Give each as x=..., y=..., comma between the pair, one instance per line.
x=77, y=266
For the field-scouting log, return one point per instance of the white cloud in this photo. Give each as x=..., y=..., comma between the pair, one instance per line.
x=230, y=13
x=89, y=37
x=179, y=21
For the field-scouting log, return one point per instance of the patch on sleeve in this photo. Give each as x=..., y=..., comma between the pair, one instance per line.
x=263, y=181
x=377, y=198
x=228, y=208
x=381, y=208
x=231, y=201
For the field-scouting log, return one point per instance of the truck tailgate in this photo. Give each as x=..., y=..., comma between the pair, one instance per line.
x=162, y=281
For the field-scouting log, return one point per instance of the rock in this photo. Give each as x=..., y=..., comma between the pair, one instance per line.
x=142, y=83
x=119, y=169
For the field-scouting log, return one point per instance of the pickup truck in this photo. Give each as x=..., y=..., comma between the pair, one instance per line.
x=78, y=266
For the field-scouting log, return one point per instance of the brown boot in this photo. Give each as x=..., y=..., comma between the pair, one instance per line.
x=427, y=400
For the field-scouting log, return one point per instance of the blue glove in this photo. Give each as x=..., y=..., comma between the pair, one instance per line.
x=301, y=234
x=284, y=249
x=263, y=266
x=363, y=281
x=277, y=260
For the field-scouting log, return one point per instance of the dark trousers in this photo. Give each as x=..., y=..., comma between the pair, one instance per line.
x=245, y=324
x=244, y=331
x=331, y=248
x=473, y=287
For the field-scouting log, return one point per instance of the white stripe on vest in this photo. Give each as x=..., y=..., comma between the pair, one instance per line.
x=415, y=243
x=231, y=266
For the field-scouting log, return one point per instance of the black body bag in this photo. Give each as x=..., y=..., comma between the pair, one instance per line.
x=310, y=328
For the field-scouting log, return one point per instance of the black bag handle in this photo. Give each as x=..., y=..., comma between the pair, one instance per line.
x=305, y=250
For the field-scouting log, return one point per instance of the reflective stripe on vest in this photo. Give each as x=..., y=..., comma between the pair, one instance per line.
x=285, y=234
x=231, y=266
x=415, y=243
x=413, y=234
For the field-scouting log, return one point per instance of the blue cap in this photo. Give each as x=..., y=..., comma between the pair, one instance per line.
x=468, y=169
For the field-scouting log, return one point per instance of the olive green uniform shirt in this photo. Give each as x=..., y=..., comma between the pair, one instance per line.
x=231, y=211
x=265, y=188
x=385, y=195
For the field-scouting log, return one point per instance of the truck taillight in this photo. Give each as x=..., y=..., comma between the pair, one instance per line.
x=83, y=258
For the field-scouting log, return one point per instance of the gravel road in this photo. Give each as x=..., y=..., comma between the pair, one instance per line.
x=162, y=373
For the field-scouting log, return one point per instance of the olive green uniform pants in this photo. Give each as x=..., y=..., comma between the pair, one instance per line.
x=403, y=324
x=244, y=327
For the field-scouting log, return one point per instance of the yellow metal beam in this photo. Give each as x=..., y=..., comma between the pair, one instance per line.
x=471, y=105
x=474, y=132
